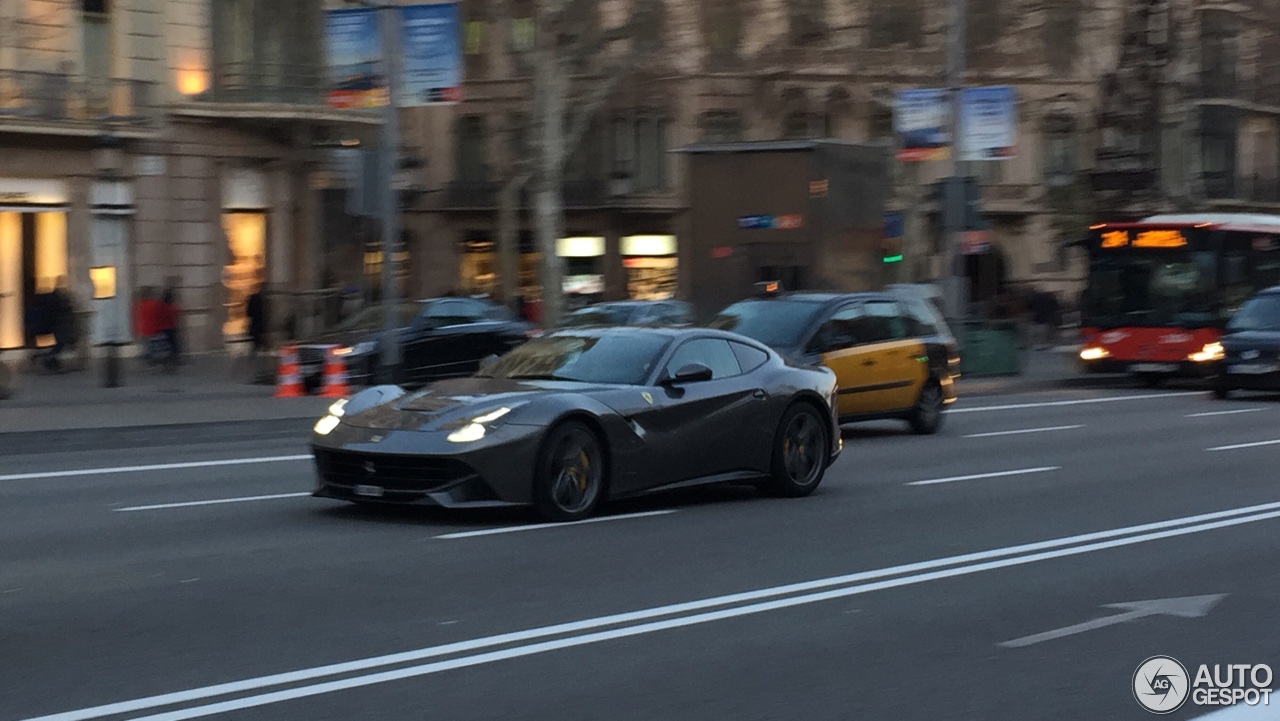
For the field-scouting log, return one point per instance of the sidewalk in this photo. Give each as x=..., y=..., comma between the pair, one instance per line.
x=200, y=392
x=1042, y=370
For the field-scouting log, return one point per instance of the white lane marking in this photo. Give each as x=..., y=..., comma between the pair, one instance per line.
x=215, y=502
x=536, y=526
x=680, y=622
x=366, y=664
x=1021, y=431
x=1080, y=402
x=1223, y=413
x=153, y=467
x=1238, y=446
x=980, y=476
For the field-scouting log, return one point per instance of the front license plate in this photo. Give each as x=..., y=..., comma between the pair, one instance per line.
x=1153, y=368
x=310, y=370
x=1253, y=369
x=369, y=491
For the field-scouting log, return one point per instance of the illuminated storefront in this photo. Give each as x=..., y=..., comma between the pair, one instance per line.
x=651, y=265
x=33, y=252
x=244, y=223
x=583, y=271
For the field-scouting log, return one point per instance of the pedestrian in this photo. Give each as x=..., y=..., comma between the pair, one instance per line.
x=255, y=310
x=61, y=318
x=167, y=316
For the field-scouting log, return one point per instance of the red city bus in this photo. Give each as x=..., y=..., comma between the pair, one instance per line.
x=1159, y=291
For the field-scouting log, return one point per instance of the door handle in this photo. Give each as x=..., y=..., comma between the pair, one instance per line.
x=868, y=362
x=759, y=394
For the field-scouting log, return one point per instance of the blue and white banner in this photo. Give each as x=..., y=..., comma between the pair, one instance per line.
x=989, y=124
x=431, y=56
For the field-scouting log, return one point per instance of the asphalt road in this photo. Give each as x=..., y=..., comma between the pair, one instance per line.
x=928, y=578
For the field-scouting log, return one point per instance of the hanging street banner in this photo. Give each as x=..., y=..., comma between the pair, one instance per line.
x=989, y=124
x=432, y=48
x=431, y=62
x=920, y=123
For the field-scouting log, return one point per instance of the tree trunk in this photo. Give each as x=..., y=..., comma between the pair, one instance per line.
x=509, y=239
x=550, y=113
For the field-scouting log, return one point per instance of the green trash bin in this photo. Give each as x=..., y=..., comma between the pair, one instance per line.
x=990, y=348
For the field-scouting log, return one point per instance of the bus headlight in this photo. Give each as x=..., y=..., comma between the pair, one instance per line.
x=1210, y=352
x=1093, y=353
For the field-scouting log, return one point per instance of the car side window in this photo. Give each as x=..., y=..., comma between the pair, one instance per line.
x=882, y=323
x=920, y=320
x=749, y=358
x=840, y=331
x=453, y=312
x=713, y=353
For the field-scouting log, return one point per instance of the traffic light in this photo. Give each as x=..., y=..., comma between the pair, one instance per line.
x=891, y=240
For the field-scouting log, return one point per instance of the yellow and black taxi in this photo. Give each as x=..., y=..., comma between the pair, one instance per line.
x=892, y=352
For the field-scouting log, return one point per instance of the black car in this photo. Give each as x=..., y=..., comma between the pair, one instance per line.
x=580, y=416
x=631, y=312
x=1250, y=347
x=445, y=338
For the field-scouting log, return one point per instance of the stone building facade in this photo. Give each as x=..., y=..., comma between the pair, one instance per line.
x=172, y=143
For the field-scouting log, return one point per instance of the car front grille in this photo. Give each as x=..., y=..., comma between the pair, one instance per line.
x=412, y=474
x=311, y=355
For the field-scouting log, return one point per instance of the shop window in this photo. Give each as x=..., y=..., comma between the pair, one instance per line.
x=806, y=21
x=983, y=30
x=97, y=52
x=11, y=295
x=803, y=125
x=246, y=234
x=475, y=32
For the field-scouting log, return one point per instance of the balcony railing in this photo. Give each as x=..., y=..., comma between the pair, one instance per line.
x=268, y=84
x=586, y=194
x=59, y=97
x=1250, y=189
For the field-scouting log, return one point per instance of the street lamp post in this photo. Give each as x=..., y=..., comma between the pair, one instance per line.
x=955, y=293
x=389, y=151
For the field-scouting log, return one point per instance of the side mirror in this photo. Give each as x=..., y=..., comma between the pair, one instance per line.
x=488, y=362
x=692, y=373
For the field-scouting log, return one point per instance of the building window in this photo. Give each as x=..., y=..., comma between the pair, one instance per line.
x=1060, y=35
x=802, y=125
x=721, y=126
x=988, y=172
x=722, y=28
x=97, y=52
x=1218, y=129
x=983, y=29
x=880, y=126
x=651, y=154
x=896, y=24
x=472, y=166
x=518, y=137
x=475, y=29
x=1061, y=154
x=523, y=33
x=1219, y=54
x=806, y=21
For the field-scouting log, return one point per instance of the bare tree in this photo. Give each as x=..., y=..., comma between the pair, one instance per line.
x=566, y=40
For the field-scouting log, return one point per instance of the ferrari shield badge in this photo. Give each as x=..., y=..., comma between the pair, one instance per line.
x=647, y=397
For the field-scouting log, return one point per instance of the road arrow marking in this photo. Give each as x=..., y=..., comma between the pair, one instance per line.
x=1185, y=607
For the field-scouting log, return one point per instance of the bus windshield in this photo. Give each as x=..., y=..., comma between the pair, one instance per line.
x=1139, y=289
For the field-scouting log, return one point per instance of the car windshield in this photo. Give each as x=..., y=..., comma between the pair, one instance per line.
x=776, y=323
x=622, y=358
x=1260, y=313
x=599, y=315
x=1152, y=290
x=371, y=317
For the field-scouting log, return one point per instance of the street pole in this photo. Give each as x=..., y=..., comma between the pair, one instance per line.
x=955, y=295
x=389, y=152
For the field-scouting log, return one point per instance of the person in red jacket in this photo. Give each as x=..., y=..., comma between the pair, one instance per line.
x=144, y=314
x=167, y=313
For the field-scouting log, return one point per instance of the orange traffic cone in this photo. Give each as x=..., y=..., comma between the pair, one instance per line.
x=335, y=375
x=289, y=383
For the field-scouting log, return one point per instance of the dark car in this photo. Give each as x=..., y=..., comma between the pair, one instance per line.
x=580, y=416
x=631, y=312
x=1250, y=347
x=892, y=352
x=356, y=338
x=444, y=338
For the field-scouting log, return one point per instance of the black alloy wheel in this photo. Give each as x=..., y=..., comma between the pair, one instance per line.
x=570, y=479
x=926, y=415
x=799, y=454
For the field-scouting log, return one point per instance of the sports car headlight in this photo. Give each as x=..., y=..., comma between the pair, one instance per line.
x=475, y=429
x=338, y=407
x=325, y=425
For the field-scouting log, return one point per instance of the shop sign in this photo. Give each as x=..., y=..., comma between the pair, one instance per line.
x=771, y=222
x=33, y=192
